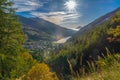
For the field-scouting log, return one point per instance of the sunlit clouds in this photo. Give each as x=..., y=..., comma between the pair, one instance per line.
x=60, y=18
x=66, y=14
x=27, y=5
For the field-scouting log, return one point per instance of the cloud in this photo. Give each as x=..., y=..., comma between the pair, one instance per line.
x=50, y=11
x=27, y=5
x=59, y=17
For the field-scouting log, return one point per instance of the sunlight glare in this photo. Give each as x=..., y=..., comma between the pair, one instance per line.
x=71, y=5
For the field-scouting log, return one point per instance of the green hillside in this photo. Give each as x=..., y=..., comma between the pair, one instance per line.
x=86, y=49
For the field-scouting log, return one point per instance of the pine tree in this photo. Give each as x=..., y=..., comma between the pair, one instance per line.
x=11, y=41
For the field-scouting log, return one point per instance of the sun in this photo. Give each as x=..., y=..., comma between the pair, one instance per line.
x=71, y=5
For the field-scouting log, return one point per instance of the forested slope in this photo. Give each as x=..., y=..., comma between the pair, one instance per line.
x=86, y=49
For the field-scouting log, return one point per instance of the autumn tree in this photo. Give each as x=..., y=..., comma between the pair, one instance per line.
x=40, y=71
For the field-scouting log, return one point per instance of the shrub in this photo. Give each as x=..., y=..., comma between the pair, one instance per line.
x=40, y=71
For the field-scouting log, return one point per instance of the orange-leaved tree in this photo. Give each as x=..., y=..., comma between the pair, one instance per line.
x=40, y=71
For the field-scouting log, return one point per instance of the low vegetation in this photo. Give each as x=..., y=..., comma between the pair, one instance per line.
x=108, y=69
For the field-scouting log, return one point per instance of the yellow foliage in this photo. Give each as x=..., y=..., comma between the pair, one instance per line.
x=101, y=63
x=115, y=32
x=40, y=71
x=27, y=56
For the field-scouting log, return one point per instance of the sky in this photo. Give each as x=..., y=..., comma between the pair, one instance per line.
x=66, y=13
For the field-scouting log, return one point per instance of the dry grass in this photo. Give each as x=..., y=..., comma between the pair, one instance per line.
x=110, y=71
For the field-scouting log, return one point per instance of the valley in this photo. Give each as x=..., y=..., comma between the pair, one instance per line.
x=88, y=42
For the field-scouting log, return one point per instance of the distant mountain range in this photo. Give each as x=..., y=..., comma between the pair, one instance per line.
x=79, y=27
x=40, y=29
x=42, y=34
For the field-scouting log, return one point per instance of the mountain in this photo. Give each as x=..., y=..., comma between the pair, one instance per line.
x=98, y=39
x=95, y=23
x=42, y=34
x=40, y=29
x=79, y=27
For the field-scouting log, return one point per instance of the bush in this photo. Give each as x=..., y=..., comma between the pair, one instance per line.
x=40, y=71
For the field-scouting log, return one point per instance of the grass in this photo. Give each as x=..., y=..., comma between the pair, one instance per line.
x=109, y=69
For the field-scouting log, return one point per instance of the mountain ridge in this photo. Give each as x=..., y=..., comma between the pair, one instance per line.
x=94, y=23
x=41, y=27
